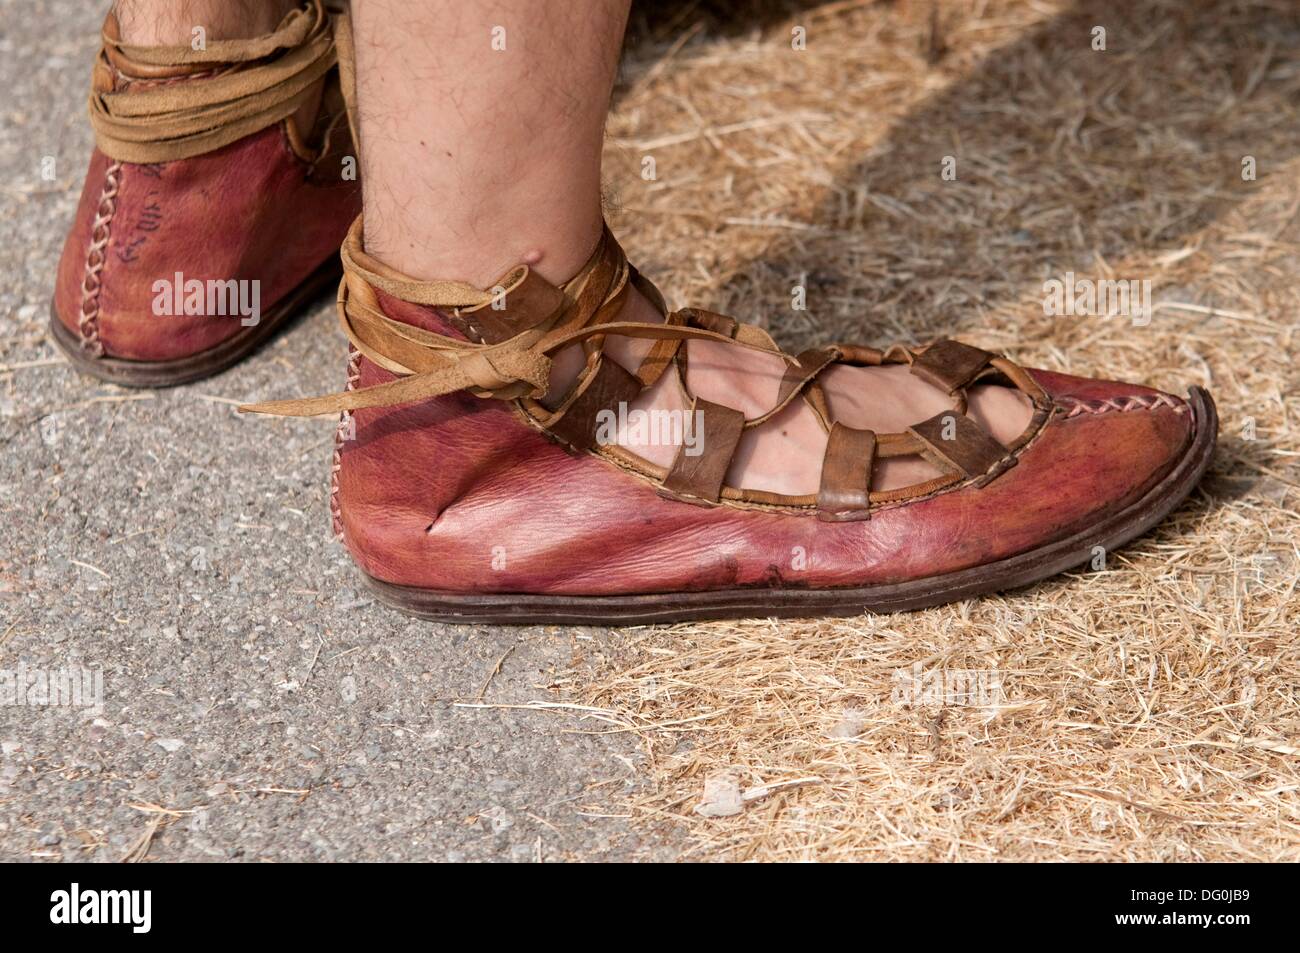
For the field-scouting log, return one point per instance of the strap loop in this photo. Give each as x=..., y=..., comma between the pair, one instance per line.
x=955, y=441
x=950, y=365
x=700, y=467
x=845, y=491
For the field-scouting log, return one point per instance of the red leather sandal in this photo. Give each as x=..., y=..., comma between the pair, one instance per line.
x=216, y=198
x=465, y=495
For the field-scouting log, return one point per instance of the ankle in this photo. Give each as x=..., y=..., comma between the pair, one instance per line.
x=166, y=23
x=420, y=242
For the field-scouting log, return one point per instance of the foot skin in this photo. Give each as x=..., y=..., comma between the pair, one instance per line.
x=784, y=455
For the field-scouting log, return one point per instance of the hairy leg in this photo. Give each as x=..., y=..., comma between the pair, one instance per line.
x=481, y=127
x=476, y=157
x=172, y=22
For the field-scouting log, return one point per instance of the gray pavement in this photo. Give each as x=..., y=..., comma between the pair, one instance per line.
x=256, y=704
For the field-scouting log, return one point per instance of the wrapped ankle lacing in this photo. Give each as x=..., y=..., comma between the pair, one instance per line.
x=523, y=322
x=256, y=83
x=431, y=365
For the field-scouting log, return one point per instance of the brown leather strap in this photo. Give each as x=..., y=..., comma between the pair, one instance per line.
x=661, y=353
x=603, y=389
x=859, y=355
x=524, y=301
x=950, y=365
x=810, y=363
x=345, y=51
x=269, y=79
x=846, y=474
x=799, y=375
x=957, y=441
x=516, y=367
x=711, y=321
x=701, y=467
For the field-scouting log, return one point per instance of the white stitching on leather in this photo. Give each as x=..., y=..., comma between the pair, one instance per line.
x=1074, y=406
x=96, y=256
x=100, y=232
x=340, y=435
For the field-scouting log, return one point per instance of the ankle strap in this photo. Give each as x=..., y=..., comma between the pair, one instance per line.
x=512, y=361
x=520, y=324
x=269, y=79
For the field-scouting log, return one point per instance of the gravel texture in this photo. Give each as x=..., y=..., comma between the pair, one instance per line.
x=257, y=705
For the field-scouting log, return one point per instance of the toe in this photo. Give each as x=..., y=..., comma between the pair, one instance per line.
x=1125, y=434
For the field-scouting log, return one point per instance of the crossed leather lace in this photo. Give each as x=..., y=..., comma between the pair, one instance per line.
x=255, y=83
x=512, y=332
x=512, y=361
x=429, y=364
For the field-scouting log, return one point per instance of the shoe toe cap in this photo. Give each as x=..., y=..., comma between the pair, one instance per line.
x=1118, y=435
x=1095, y=395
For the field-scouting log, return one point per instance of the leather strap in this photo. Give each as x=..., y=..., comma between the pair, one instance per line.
x=272, y=77
x=950, y=365
x=860, y=356
x=810, y=363
x=702, y=463
x=511, y=359
x=960, y=443
x=516, y=367
x=524, y=301
x=846, y=474
x=711, y=321
x=603, y=389
x=347, y=60
x=661, y=354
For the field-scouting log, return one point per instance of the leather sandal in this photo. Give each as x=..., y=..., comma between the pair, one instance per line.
x=215, y=201
x=467, y=494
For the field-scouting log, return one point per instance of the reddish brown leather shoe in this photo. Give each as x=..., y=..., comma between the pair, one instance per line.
x=465, y=496
x=217, y=195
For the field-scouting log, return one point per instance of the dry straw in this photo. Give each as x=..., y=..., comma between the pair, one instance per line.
x=1147, y=711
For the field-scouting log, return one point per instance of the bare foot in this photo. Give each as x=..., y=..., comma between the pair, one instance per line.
x=784, y=455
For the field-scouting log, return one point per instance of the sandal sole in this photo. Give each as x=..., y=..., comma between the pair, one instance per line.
x=1013, y=572
x=186, y=370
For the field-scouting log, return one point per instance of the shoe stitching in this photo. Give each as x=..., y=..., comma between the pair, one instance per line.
x=100, y=234
x=1074, y=406
x=341, y=434
x=96, y=257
